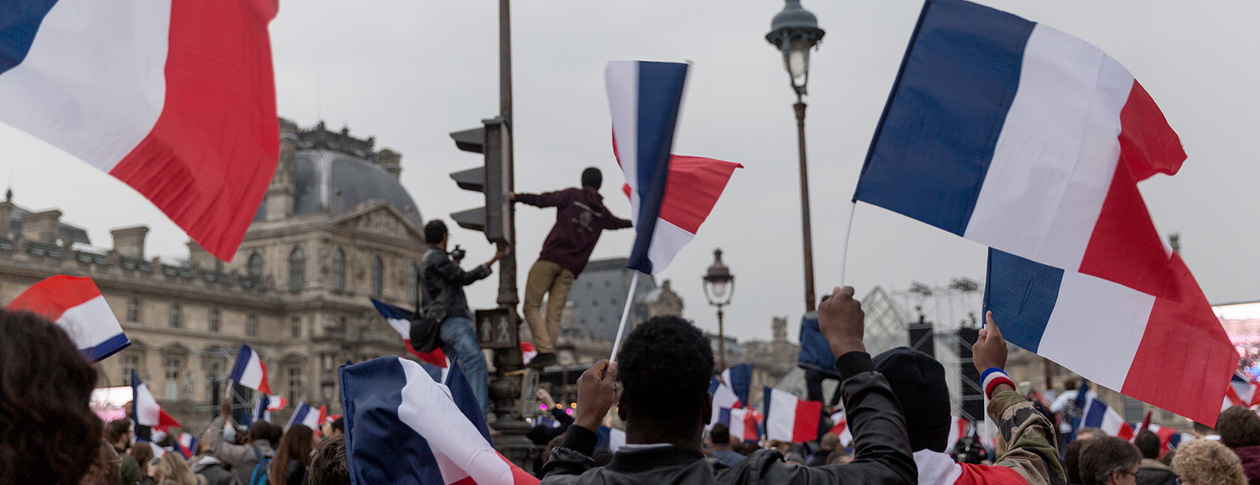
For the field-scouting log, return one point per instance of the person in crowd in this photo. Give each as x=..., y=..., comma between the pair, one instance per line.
x=1208, y=462
x=105, y=470
x=443, y=282
x=142, y=452
x=1110, y=461
x=242, y=459
x=919, y=383
x=542, y=433
x=294, y=454
x=1204, y=432
x=207, y=465
x=1072, y=460
x=720, y=436
x=336, y=427
x=665, y=365
x=118, y=434
x=580, y=219
x=1240, y=432
x=48, y=433
x=171, y=469
x=1152, y=471
x=328, y=464
x=828, y=444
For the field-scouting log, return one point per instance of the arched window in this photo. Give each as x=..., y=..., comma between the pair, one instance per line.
x=413, y=284
x=378, y=277
x=255, y=266
x=297, y=269
x=339, y=270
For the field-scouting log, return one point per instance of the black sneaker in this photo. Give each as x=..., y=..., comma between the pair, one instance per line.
x=541, y=361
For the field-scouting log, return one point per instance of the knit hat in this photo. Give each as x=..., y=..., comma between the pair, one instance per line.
x=918, y=381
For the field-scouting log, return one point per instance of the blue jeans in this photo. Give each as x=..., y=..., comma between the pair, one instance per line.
x=459, y=338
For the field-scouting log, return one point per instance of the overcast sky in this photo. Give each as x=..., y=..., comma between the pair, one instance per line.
x=409, y=72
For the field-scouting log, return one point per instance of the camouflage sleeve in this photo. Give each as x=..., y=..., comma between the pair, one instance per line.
x=1029, y=439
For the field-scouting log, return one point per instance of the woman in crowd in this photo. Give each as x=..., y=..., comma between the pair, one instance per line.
x=1205, y=462
x=143, y=453
x=171, y=469
x=289, y=465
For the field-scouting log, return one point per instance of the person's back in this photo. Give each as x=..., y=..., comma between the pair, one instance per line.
x=243, y=459
x=1152, y=471
x=665, y=365
x=1240, y=432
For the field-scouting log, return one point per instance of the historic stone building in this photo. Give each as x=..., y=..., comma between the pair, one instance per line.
x=336, y=228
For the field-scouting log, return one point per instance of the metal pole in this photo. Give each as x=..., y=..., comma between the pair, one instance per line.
x=807, y=237
x=507, y=266
x=721, y=341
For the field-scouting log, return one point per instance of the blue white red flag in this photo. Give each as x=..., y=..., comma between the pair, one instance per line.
x=739, y=378
x=1031, y=141
x=305, y=415
x=724, y=400
x=644, y=99
x=276, y=403
x=404, y=427
x=1241, y=392
x=261, y=411
x=176, y=99
x=746, y=424
x=75, y=305
x=145, y=410
x=400, y=320
x=1098, y=415
x=250, y=371
x=187, y=445
x=790, y=419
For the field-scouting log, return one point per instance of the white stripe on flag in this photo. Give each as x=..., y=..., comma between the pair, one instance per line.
x=94, y=82
x=91, y=323
x=252, y=376
x=146, y=407
x=429, y=409
x=1073, y=329
x=401, y=326
x=622, y=78
x=781, y=418
x=1056, y=154
x=667, y=241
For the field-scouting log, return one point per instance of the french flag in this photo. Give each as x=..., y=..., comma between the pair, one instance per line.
x=790, y=419
x=276, y=403
x=250, y=371
x=174, y=98
x=76, y=305
x=305, y=415
x=841, y=428
x=400, y=320
x=724, y=400
x=1241, y=392
x=739, y=379
x=261, y=413
x=1096, y=414
x=1031, y=141
x=402, y=426
x=746, y=425
x=144, y=408
x=187, y=445
x=692, y=189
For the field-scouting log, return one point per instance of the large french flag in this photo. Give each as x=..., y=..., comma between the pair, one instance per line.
x=145, y=409
x=400, y=320
x=249, y=370
x=644, y=99
x=173, y=97
x=75, y=304
x=1031, y=141
x=402, y=426
x=791, y=419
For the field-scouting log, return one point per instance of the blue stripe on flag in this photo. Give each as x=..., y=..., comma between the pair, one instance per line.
x=1094, y=415
x=741, y=382
x=724, y=417
x=1021, y=294
x=391, y=311
x=107, y=348
x=380, y=448
x=934, y=143
x=660, y=95
x=242, y=360
x=713, y=384
x=19, y=22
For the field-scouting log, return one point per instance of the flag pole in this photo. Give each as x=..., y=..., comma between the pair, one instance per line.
x=625, y=314
x=844, y=249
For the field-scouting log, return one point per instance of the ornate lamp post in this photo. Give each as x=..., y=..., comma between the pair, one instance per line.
x=794, y=31
x=719, y=286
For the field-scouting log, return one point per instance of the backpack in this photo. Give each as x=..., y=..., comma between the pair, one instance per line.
x=259, y=476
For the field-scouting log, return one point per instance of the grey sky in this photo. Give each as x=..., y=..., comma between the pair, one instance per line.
x=410, y=72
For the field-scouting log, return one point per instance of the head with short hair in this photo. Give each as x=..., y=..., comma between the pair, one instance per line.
x=918, y=381
x=48, y=432
x=1108, y=459
x=173, y=469
x=1147, y=443
x=665, y=365
x=830, y=441
x=1072, y=459
x=1206, y=462
x=1239, y=427
x=720, y=434
x=434, y=231
x=260, y=430
x=339, y=425
x=117, y=430
x=329, y=465
x=592, y=177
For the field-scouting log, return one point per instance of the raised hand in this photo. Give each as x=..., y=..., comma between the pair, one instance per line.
x=596, y=392
x=990, y=348
x=840, y=319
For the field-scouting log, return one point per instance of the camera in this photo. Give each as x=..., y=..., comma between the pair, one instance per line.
x=457, y=253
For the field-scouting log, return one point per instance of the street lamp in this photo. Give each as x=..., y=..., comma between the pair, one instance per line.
x=794, y=31
x=719, y=286
x=326, y=385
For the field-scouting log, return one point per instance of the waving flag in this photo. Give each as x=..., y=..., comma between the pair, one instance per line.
x=644, y=99
x=791, y=419
x=276, y=403
x=746, y=425
x=452, y=377
x=144, y=408
x=75, y=305
x=261, y=411
x=404, y=427
x=176, y=99
x=400, y=320
x=739, y=378
x=305, y=415
x=1241, y=392
x=250, y=371
x=1098, y=415
x=693, y=188
x=1030, y=141
x=187, y=445
x=724, y=399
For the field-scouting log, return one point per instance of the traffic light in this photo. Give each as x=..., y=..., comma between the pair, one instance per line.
x=490, y=179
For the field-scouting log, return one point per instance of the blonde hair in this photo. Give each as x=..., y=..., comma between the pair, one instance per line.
x=1206, y=462
x=172, y=469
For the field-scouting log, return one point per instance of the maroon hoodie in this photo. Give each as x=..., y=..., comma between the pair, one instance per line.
x=1250, y=456
x=580, y=218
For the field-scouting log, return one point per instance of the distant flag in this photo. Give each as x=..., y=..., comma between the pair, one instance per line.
x=1032, y=142
x=724, y=399
x=144, y=408
x=745, y=425
x=176, y=99
x=75, y=305
x=400, y=320
x=739, y=379
x=276, y=403
x=1098, y=415
x=1146, y=423
x=250, y=371
x=187, y=445
x=790, y=419
x=1241, y=392
x=158, y=451
x=840, y=427
x=404, y=427
x=262, y=411
x=305, y=415
x=528, y=352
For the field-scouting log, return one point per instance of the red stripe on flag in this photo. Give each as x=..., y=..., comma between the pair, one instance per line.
x=692, y=189
x=1125, y=247
x=209, y=158
x=263, y=386
x=54, y=295
x=805, y=426
x=435, y=357
x=1147, y=144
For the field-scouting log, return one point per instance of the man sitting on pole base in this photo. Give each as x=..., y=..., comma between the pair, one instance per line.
x=665, y=365
x=580, y=218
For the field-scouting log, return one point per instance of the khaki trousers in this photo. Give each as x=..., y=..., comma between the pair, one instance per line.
x=546, y=277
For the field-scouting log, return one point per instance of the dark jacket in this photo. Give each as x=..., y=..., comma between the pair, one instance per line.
x=443, y=282
x=580, y=218
x=542, y=434
x=882, y=449
x=210, y=467
x=1250, y=456
x=1154, y=472
x=130, y=469
x=295, y=473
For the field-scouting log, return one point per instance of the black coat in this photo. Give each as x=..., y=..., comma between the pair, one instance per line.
x=443, y=282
